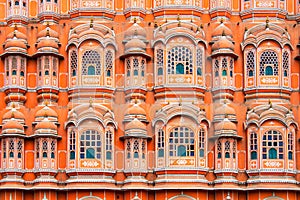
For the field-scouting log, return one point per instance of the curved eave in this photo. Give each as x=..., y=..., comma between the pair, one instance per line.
x=224, y=53
x=5, y=54
x=50, y=53
x=44, y=134
x=143, y=136
x=226, y=135
x=126, y=55
x=4, y=135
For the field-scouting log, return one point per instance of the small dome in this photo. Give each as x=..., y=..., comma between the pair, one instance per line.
x=17, y=34
x=47, y=43
x=222, y=30
x=15, y=43
x=13, y=113
x=46, y=111
x=136, y=110
x=46, y=124
x=47, y=32
x=225, y=109
x=135, y=30
x=225, y=125
x=222, y=43
x=135, y=45
x=135, y=124
x=13, y=124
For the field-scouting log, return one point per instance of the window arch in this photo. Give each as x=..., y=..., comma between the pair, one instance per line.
x=285, y=64
x=224, y=67
x=181, y=142
x=109, y=63
x=268, y=63
x=91, y=58
x=11, y=148
x=160, y=61
x=201, y=139
x=290, y=145
x=73, y=62
x=72, y=144
x=161, y=143
x=272, y=145
x=180, y=60
x=227, y=149
x=250, y=63
x=253, y=146
x=108, y=145
x=90, y=145
x=199, y=61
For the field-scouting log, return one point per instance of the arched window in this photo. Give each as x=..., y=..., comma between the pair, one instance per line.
x=216, y=68
x=253, y=146
x=108, y=63
x=135, y=67
x=161, y=143
x=181, y=142
x=269, y=71
x=73, y=62
x=11, y=148
x=224, y=67
x=231, y=68
x=128, y=148
x=136, y=149
x=17, y=3
x=108, y=145
x=53, y=149
x=20, y=148
x=91, y=58
x=290, y=145
x=4, y=148
x=268, y=63
x=272, y=145
x=91, y=70
x=180, y=61
x=250, y=63
x=160, y=61
x=72, y=144
x=199, y=61
x=45, y=148
x=285, y=64
x=201, y=139
x=227, y=149
x=128, y=67
x=219, y=149
x=90, y=145
x=143, y=68
x=14, y=66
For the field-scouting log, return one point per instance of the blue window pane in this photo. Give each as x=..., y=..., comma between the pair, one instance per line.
x=181, y=151
x=269, y=71
x=179, y=68
x=91, y=70
x=290, y=155
x=90, y=153
x=272, y=153
x=136, y=155
x=201, y=153
x=160, y=71
x=72, y=155
x=253, y=155
x=227, y=155
x=108, y=155
x=160, y=153
x=224, y=73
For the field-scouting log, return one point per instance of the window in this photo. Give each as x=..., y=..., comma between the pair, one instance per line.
x=73, y=62
x=231, y=68
x=219, y=149
x=128, y=67
x=136, y=149
x=37, y=149
x=161, y=143
x=90, y=145
x=108, y=62
x=224, y=67
x=285, y=64
x=72, y=143
x=143, y=68
x=108, y=148
x=290, y=145
x=128, y=148
x=253, y=145
x=91, y=58
x=160, y=61
x=268, y=64
x=180, y=61
x=4, y=148
x=201, y=142
x=135, y=67
x=45, y=148
x=216, y=68
x=91, y=70
x=199, y=61
x=20, y=148
x=181, y=142
x=272, y=145
x=54, y=64
x=11, y=148
x=227, y=149
x=17, y=3
x=52, y=149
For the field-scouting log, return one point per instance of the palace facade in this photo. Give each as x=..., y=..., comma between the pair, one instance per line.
x=149, y=99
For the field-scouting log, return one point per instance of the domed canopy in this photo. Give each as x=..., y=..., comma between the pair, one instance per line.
x=16, y=42
x=47, y=32
x=222, y=30
x=13, y=113
x=135, y=31
x=135, y=45
x=223, y=43
x=13, y=127
x=47, y=43
x=135, y=124
x=136, y=110
x=16, y=34
x=225, y=109
x=46, y=125
x=225, y=125
x=46, y=112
